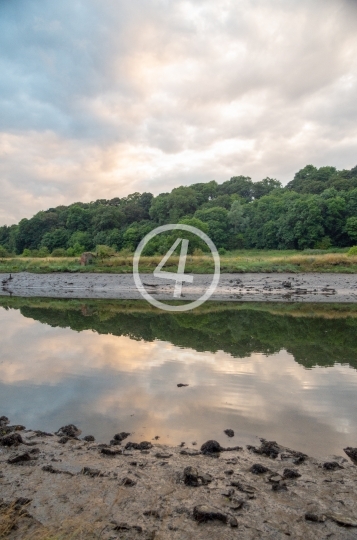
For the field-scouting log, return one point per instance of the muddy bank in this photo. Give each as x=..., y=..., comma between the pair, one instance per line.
x=133, y=490
x=232, y=287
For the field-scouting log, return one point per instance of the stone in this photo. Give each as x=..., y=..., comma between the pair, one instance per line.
x=181, y=385
x=317, y=518
x=110, y=452
x=144, y=445
x=267, y=448
x=87, y=471
x=190, y=476
x=121, y=436
x=203, y=513
x=14, y=439
x=341, y=519
x=63, y=440
x=89, y=438
x=205, y=478
x=126, y=481
x=70, y=431
x=229, y=432
x=351, y=452
x=211, y=447
x=122, y=526
x=331, y=466
x=257, y=468
x=4, y=421
x=19, y=458
x=163, y=455
x=291, y=473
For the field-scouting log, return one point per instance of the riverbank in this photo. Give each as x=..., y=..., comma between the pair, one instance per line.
x=316, y=288
x=64, y=485
x=240, y=261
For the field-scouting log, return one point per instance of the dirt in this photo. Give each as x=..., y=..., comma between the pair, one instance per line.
x=232, y=287
x=153, y=491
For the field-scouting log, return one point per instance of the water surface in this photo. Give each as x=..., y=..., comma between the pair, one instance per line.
x=265, y=371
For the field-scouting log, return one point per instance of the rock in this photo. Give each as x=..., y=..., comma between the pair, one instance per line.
x=163, y=455
x=286, y=284
x=317, y=518
x=233, y=521
x=70, y=431
x=63, y=440
x=110, y=452
x=126, y=481
x=229, y=472
x=40, y=433
x=180, y=385
x=279, y=486
x=190, y=476
x=144, y=445
x=257, y=468
x=203, y=513
x=205, y=478
x=121, y=436
x=19, y=458
x=291, y=473
x=343, y=520
x=4, y=421
x=275, y=478
x=331, y=466
x=267, y=448
x=229, y=432
x=89, y=438
x=211, y=447
x=232, y=448
x=352, y=453
x=245, y=488
x=11, y=440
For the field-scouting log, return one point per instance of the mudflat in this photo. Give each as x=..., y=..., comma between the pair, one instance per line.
x=143, y=490
x=284, y=287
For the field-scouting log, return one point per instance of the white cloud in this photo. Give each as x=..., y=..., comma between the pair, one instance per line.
x=103, y=99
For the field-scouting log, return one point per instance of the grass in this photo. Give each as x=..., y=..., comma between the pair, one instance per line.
x=241, y=261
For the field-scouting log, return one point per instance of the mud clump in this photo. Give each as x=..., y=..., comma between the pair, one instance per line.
x=257, y=468
x=70, y=431
x=211, y=448
x=229, y=432
x=144, y=445
x=14, y=439
x=352, y=453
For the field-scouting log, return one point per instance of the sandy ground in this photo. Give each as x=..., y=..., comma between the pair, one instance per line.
x=231, y=287
x=160, y=492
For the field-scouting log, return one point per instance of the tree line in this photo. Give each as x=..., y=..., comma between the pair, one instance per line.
x=317, y=209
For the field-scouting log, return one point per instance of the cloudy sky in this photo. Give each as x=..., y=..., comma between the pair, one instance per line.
x=101, y=98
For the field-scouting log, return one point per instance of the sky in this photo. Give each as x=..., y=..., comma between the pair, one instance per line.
x=102, y=98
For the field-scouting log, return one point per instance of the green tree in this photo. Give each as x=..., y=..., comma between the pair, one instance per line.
x=351, y=228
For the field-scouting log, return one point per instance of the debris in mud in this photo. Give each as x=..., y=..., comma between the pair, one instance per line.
x=87, y=471
x=110, y=452
x=122, y=526
x=53, y=470
x=203, y=513
x=20, y=458
x=267, y=448
x=127, y=481
x=331, y=466
x=190, y=476
x=180, y=385
x=89, y=438
x=229, y=432
x=63, y=440
x=352, y=453
x=257, y=468
x=119, y=437
x=317, y=518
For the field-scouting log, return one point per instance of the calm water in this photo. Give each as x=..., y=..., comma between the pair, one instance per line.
x=111, y=366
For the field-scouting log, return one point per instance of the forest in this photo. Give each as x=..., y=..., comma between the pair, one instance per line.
x=315, y=210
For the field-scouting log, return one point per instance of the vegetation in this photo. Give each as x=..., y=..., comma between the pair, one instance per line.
x=241, y=261
x=315, y=334
x=316, y=210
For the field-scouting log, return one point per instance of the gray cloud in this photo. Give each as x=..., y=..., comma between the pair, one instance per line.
x=102, y=99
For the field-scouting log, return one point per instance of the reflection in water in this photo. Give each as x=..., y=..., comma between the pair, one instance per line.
x=245, y=365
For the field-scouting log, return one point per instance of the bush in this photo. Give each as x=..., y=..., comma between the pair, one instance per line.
x=44, y=252
x=104, y=252
x=26, y=253
x=352, y=251
x=3, y=252
x=324, y=243
x=59, y=252
x=222, y=251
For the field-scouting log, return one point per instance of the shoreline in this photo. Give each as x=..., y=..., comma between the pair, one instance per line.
x=123, y=489
x=250, y=287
